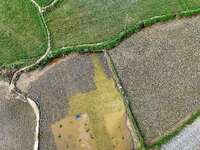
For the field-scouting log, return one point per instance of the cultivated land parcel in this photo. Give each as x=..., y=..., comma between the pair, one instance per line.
x=73, y=23
x=160, y=74
x=81, y=109
x=84, y=99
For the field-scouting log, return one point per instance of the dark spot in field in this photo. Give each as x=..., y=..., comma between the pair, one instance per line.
x=122, y=137
x=87, y=130
x=59, y=136
x=78, y=116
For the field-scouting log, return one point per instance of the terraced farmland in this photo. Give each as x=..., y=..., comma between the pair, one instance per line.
x=107, y=95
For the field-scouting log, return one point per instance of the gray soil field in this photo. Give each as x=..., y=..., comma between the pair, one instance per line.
x=17, y=123
x=160, y=70
x=52, y=86
x=188, y=139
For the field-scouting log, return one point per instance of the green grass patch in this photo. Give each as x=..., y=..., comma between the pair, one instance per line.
x=22, y=34
x=44, y=2
x=193, y=4
x=92, y=21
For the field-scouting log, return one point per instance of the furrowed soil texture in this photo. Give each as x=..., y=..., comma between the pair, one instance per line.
x=17, y=125
x=90, y=21
x=159, y=70
x=22, y=34
x=80, y=105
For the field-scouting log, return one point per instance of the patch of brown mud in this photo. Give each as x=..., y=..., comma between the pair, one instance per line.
x=73, y=133
x=116, y=126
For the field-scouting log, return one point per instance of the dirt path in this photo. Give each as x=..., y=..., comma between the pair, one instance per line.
x=17, y=73
x=12, y=87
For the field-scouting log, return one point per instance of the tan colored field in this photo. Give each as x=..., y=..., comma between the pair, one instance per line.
x=101, y=121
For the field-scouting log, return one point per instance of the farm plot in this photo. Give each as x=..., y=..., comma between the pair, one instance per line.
x=79, y=104
x=22, y=35
x=159, y=70
x=17, y=125
x=92, y=21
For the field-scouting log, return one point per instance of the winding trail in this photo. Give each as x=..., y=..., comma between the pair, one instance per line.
x=13, y=89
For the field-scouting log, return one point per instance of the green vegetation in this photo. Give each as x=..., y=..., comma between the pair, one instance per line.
x=44, y=2
x=22, y=34
x=192, y=4
x=86, y=21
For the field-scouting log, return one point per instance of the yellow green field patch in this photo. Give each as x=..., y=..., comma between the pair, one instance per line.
x=106, y=124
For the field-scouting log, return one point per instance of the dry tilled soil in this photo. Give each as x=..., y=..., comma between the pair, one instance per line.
x=159, y=68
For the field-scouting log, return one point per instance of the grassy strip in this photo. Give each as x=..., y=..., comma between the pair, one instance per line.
x=141, y=145
x=183, y=5
x=189, y=13
x=165, y=139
